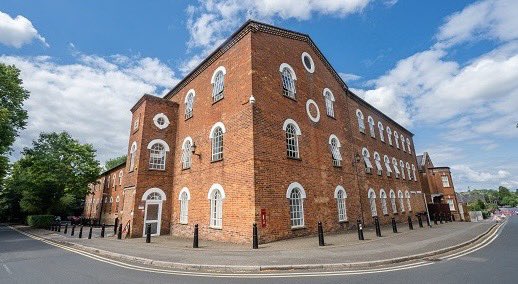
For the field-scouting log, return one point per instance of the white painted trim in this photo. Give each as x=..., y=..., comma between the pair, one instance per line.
x=166, y=120
x=295, y=185
x=328, y=90
x=187, y=95
x=338, y=188
x=286, y=65
x=312, y=102
x=288, y=121
x=188, y=138
x=359, y=113
x=337, y=140
x=312, y=69
x=365, y=150
x=185, y=189
x=214, y=187
x=220, y=68
x=220, y=124
x=133, y=147
x=151, y=190
x=400, y=194
x=407, y=194
x=392, y=194
x=154, y=141
x=383, y=191
x=371, y=191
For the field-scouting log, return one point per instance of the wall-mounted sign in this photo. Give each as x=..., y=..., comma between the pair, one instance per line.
x=263, y=217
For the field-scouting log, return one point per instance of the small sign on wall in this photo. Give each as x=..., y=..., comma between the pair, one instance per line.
x=141, y=204
x=263, y=217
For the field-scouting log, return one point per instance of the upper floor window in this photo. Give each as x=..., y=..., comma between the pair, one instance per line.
x=366, y=159
x=403, y=143
x=413, y=172
x=383, y=197
x=393, y=201
x=133, y=153
x=380, y=128
x=157, y=154
x=396, y=139
x=292, y=141
x=377, y=160
x=389, y=135
x=445, y=181
x=408, y=201
x=189, y=103
x=408, y=171
x=402, y=165
x=330, y=99
x=361, y=123
x=296, y=196
x=334, y=147
x=216, y=138
x=120, y=177
x=136, y=123
x=370, y=120
x=288, y=80
x=218, y=83
x=401, y=200
x=408, y=146
x=114, y=180
x=161, y=121
x=186, y=153
x=372, y=201
x=308, y=63
x=387, y=165
x=341, y=197
x=396, y=169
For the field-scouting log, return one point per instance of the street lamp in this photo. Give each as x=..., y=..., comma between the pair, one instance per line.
x=193, y=150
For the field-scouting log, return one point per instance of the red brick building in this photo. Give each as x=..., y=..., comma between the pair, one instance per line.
x=437, y=185
x=264, y=131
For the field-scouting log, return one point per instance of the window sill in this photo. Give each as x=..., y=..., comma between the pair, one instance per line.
x=216, y=161
x=343, y=221
x=298, y=228
x=188, y=118
x=157, y=170
x=186, y=169
x=293, y=99
x=331, y=117
x=296, y=159
x=216, y=228
x=183, y=223
x=215, y=102
x=337, y=167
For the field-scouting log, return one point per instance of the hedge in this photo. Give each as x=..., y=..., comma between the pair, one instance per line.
x=40, y=221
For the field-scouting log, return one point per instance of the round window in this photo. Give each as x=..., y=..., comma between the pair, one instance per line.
x=161, y=121
x=312, y=110
x=308, y=63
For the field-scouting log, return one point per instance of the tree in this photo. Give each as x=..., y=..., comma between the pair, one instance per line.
x=112, y=163
x=52, y=177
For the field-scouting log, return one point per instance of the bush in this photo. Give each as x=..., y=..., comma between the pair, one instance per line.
x=40, y=221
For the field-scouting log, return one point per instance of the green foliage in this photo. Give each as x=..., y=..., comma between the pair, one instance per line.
x=40, y=221
x=52, y=177
x=112, y=163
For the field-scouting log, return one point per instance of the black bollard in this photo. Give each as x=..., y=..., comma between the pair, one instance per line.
x=90, y=232
x=115, y=226
x=435, y=219
x=377, y=226
x=81, y=232
x=360, y=230
x=195, y=241
x=410, y=225
x=66, y=229
x=420, y=220
x=148, y=233
x=103, y=227
x=59, y=228
x=320, y=235
x=255, y=240
x=73, y=230
x=452, y=218
x=440, y=218
x=119, y=235
x=394, y=225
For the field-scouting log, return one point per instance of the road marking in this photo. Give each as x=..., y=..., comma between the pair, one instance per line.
x=134, y=267
x=7, y=269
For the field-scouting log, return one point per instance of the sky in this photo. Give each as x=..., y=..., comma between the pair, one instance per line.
x=446, y=70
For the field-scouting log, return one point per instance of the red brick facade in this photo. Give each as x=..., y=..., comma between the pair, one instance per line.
x=255, y=173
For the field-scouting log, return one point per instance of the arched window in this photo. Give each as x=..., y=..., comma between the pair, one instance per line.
x=216, y=196
x=401, y=200
x=377, y=160
x=408, y=146
x=413, y=172
x=341, y=197
x=330, y=99
x=366, y=160
x=133, y=153
x=117, y=201
x=402, y=165
x=372, y=201
x=296, y=195
x=396, y=139
x=408, y=171
x=403, y=143
x=383, y=197
x=189, y=103
x=288, y=78
x=380, y=128
x=371, y=126
x=218, y=83
x=216, y=138
x=393, y=201
x=114, y=179
x=157, y=154
x=120, y=177
x=387, y=165
x=334, y=147
x=389, y=135
x=292, y=141
x=361, y=123
x=408, y=202
x=184, y=198
x=186, y=153
x=396, y=169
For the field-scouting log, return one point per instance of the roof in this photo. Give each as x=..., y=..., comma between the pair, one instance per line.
x=116, y=166
x=254, y=26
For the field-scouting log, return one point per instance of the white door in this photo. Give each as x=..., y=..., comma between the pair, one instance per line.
x=152, y=216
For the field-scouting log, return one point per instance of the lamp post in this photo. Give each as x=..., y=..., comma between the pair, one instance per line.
x=193, y=150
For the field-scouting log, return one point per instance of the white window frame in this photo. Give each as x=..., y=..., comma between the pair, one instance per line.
x=408, y=146
x=218, y=84
x=361, y=122
x=189, y=103
x=389, y=135
x=402, y=166
x=401, y=200
x=381, y=130
x=329, y=99
x=296, y=220
x=157, y=161
x=392, y=195
x=377, y=161
x=121, y=174
x=164, y=118
x=371, y=195
x=383, y=197
x=408, y=170
x=445, y=182
x=288, y=79
x=187, y=153
x=184, y=198
x=133, y=153
x=396, y=139
x=413, y=172
x=366, y=160
x=386, y=160
x=408, y=201
x=334, y=147
x=341, y=203
x=403, y=142
x=216, y=142
x=370, y=120
x=396, y=167
x=451, y=203
x=292, y=138
x=216, y=206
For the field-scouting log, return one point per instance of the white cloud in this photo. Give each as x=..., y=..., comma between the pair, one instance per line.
x=347, y=77
x=471, y=175
x=90, y=98
x=18, y=31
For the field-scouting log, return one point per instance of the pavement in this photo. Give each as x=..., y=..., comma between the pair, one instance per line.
x=341, y=250
x=24, y=259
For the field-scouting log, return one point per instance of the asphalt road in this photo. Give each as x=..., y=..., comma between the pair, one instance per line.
x=25, y=260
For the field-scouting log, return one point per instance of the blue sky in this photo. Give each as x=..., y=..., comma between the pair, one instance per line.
x=448, y=70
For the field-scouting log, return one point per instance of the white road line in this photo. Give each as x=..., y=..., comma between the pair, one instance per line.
x=7, y=269
x=264, y=275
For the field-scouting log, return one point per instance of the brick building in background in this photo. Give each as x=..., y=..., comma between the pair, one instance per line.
x=437, y=185
x=263, y=131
